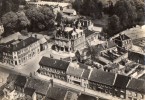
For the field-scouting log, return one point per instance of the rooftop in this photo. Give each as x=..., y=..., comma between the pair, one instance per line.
x=56, y=93
x=20, y=81
x=123, y=80
x=10, y=37
x=122, y=37
x=88, y=32
x=38, y=86
x=136, y=85
x=15, y=45
x=69, y=11
x=102, y=77
x=74, y=71
x=54, y=63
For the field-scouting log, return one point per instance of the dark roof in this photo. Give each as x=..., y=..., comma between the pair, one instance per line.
x=29, y=91
x=11, y=77
x=122, y=37
x=136, y=85
x=86, y=97
x=102, y=77
x=20, y=81
x=88, y=32
x=54, y=63
x=39, y=86
x=56, y=93
x=86, y=74
x=10, y=46
x=121, y=81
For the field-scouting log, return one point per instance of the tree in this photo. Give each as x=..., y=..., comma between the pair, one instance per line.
x=77, y=4
x=15, y=21
x=126, y=12
x=91, y=8
x=23, y=21
x=113, y=25
x=40, y=18
x=9, y=21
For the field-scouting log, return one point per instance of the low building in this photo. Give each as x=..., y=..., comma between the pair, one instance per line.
x=123, y=41
x=42, y=3
x=60, y=93
x=20, y=83
x=53, y=68
x=36, y=89
x=102, y=81
x=11, y=37
x=14, y=87
x=69, y=12
x=137, y=57
x=120, y=86
x=90, y=36
x=135, y=90
x=114, y=68
x=43, y=44
x=17, y=52
x=78, y=74
x=69, y=39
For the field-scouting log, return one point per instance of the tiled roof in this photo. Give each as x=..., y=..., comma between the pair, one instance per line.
x=17, y=45
x=11, y=77
x=75, y=71
x=121, y=81
x=86, y=73
x=83, y=66
x=29, y=91
x=88, y=32
x=10, y=38
x=102, y=77
x=56, y=93
x=136, y=85
x=54, y=63
x=39, y=86
x=20, y=81
x=71, y=95
x=42, y=40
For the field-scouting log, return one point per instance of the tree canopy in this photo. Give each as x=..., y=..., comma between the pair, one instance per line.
x=41, y=18
x=91, y=8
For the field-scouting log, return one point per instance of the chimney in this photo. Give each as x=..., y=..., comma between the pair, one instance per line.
x=35, y=36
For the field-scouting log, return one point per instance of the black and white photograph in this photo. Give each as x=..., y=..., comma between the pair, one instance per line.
x=72, y=50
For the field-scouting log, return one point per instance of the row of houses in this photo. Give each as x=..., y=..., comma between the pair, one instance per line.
x=85, y=76
x=27, y=88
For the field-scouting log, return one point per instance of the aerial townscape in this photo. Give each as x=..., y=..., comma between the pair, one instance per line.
x=72, y=50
